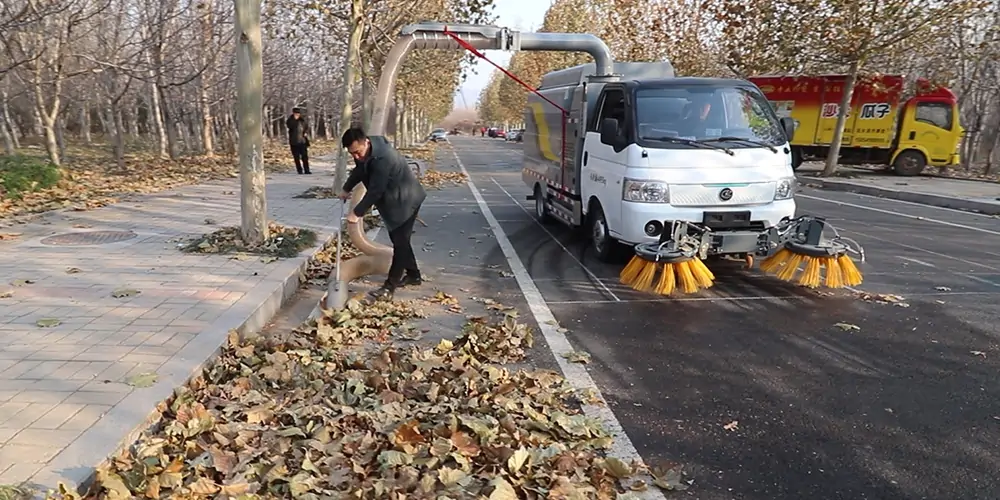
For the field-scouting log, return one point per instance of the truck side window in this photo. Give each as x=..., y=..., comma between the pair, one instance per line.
x=934, y=113
x=613, y=106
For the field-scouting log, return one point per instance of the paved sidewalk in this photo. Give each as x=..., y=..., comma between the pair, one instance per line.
x=68, y=393
x=959, y=194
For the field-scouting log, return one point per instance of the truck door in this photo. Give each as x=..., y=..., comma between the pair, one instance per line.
x=603, y=164
x=931, y=125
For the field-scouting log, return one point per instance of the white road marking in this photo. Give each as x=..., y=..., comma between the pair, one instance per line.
x=912, y=247
x=905, y=202
x=981, y=280
x=900, y=214
x=577, y=376
x=687, y=299
x=590, y=274
x=915, y=261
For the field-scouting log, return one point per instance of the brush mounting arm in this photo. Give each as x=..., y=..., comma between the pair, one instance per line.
x=811, y=235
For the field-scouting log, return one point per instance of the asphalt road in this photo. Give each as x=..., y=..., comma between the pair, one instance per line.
x=907, y=407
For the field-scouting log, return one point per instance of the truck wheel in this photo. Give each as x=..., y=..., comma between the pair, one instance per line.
x=601, y=241
x=541, y=211
x=910, y=162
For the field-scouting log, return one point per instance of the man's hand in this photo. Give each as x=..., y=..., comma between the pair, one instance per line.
x=352, y=218
x=344, y=196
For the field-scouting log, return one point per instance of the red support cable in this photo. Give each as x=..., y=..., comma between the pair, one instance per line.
x=565, y=114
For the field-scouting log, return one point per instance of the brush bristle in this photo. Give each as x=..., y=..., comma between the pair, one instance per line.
x=774, y=262
x=702, y=274
x=687, y=277
x=831, y=272
x=850, y=272
x=788, y=270
x=644, y=283
x=631, y=273
x=667, y=282
x=811, y=276
x=834, y=277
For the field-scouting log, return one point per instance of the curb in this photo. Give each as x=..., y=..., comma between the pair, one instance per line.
x=138, y=411
x=967, y=205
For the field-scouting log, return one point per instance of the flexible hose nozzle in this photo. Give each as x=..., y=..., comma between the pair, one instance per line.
x=376, y=259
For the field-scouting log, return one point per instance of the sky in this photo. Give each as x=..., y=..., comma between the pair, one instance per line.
x=522, y=15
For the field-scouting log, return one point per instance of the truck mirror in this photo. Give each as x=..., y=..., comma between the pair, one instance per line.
x=788, y=123
x=609, y=131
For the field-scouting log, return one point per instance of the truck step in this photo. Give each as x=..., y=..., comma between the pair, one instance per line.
x=530, y=197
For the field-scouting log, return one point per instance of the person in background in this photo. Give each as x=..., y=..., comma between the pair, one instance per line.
x=396, y=192
x=298, y=140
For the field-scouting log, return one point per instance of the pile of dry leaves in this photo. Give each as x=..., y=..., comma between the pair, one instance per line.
x=282, y=241
x=91, y=178
x=438, y=179
x=328, y=413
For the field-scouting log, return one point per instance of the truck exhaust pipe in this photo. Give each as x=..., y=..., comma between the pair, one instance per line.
x=433, y=35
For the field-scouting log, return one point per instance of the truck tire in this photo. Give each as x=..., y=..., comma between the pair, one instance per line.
x=541, y=211
x=909, y=163
x=601, y=241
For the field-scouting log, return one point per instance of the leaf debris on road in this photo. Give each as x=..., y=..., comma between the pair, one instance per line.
x=329, y=412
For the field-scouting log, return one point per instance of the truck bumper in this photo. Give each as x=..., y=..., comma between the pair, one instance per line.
x=955, y=159
x=635, y=217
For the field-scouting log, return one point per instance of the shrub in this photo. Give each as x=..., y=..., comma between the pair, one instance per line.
x=25, y=174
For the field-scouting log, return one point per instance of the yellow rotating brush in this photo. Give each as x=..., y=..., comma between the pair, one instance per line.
x=829, y=266
x=656, y=271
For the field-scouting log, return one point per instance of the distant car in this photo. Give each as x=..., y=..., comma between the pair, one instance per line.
x=501, y=134
x=515, y=135
x=438, y=134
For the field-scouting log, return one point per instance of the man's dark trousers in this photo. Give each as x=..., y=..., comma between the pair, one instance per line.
x=403, y=258
x=300, y=152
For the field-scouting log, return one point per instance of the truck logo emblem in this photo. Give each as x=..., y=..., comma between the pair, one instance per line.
x=726, y=194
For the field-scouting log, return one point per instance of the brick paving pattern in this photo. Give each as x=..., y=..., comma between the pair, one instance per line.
x=56, y=383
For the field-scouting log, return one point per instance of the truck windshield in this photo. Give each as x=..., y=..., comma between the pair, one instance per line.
x=738, y=115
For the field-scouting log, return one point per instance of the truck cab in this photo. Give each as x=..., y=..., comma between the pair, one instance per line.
x=640, y=153
x=708, y=151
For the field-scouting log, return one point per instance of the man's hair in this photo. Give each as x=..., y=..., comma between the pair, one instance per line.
x=296, y=110
x=352, y=135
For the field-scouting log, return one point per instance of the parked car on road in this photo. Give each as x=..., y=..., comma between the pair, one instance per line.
x=438, y=134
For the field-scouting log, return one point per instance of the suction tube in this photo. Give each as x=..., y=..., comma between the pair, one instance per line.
x=377, y=258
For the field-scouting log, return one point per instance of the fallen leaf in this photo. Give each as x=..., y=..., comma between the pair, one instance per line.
x=731, y=426
x=22, y=282
x=577, y=357
x=124, y=292
x=48, y=322
x=670, y=479
x=142, y=380
x=978, y=353
x=847, y=327
x=942, y=289
x=6, y=294
x=9, y=236
x=73, y=270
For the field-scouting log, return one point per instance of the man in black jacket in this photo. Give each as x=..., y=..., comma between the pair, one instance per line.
x=298, y=139
x=397, y=194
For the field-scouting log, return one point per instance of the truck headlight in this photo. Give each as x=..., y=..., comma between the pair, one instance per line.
x=785, y=189
x=645, y=191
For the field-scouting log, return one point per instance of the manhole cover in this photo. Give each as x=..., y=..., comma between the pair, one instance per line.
x=89, y=238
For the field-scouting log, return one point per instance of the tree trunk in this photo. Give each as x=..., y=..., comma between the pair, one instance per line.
x=833, y=156
x=15, y=131
x=250, y=90
x=117, y=133
x=351, y=59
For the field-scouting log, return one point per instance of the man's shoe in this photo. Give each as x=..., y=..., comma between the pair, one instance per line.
x=308, y=172
x=411, y=280
x=382, y=293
